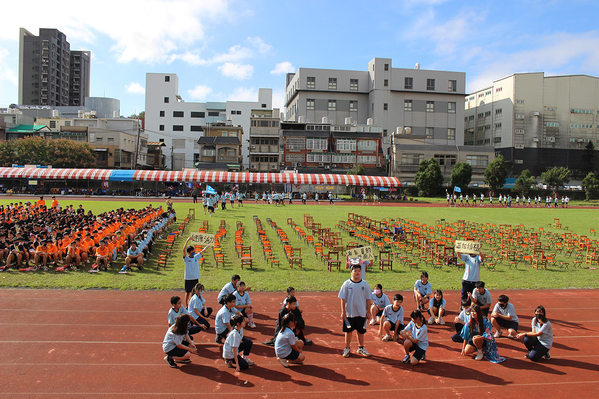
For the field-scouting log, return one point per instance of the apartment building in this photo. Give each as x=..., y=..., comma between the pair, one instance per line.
x=220, y=148
x=49, y=72
x=265, y=141
x=535, y=121
x=178, y=123
x=424, y=101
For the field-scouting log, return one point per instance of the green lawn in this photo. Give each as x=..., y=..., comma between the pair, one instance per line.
x=314, y=276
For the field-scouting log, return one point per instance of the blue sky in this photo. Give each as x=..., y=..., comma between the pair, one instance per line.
x=228, y=49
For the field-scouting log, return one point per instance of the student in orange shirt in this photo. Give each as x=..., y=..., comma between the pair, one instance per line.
x=73, y=255
x=83, y=252
x=54, y=253
x=41, y=252
x=41, y=203
x=55, y=203
x=102, y=256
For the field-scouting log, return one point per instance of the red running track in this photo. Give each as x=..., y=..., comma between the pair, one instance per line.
x=59, y=343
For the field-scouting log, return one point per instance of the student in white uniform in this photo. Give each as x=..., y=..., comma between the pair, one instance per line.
x=423, y=290
x=196, y=307
x=461, y=320
x=235, y=344
x=356, y=300
x=436, y=308
x=379, y=302
x=178, y=309
x=228, y=288
x=415, y=337
x=222, y=320
x=392, y=320
x=540, y=340
x=504, y=315
x=288, y=348
x=192, y=268
x=177, y=345
x=243, y=303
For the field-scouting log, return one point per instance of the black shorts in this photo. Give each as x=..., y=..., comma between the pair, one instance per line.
x=507, y=323
x=211, y=208
x=189, y=284
x=355, y=323
x=380, y=312
x=292, y=356
x=177, y=352
x=418, y=351
x=400, y=328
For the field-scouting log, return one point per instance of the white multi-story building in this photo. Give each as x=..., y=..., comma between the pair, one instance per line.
x=535, y=121
x=428, y=102
x=178, y=124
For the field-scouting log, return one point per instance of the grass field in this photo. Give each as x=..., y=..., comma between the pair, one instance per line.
x=314, y=275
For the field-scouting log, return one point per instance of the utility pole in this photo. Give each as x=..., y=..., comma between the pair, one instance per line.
x=136, y=152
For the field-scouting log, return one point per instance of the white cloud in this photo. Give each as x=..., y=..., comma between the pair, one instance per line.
x=191, y=58
x=235, y=53
x=199, y=92
x=236, y=71
x=243, y=94
x=135, y=88
x=257, y=42
x=282, y=68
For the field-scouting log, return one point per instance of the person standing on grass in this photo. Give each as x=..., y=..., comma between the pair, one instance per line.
x=471, y=271
x=177, y=344
x=356, y=300
x=192, y=268
x=540, y=340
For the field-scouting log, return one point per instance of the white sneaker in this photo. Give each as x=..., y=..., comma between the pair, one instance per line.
x=431, y=320
x=406, y=359
x=497, y=334
x=346, y=352
x=479, y=356
x=441, y=321
x=283, y=362
x=363, y=352
x=387, y=338
x=372, y=322
x=252, y=325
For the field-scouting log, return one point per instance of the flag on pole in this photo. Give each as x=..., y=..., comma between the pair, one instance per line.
x=210, y=190
x=457, y=189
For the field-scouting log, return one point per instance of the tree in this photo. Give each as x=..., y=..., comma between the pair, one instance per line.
x=429, y=178
x=555, y=177
x=59, y=153
x=590, y=184
x=141, y=115
x=461, y=175
x=356, y=170
x=588, y=160
x=524, y=182
x=495, y=173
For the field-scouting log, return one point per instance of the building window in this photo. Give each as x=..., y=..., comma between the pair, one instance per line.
x=498, y=125
x=167, y=78
x=346, y=145
x=451, y=108
x=452, y=85
x=177, y=128
x=310, y=103
x=519, y=101
x=263, y=105
x=552, y=124
x=353, y=84
x=67, y=123
x=52, y=124
x=178, y=114
x=311, y=83
x=162, y=113
x=407, y=105
x=581, y=111
x=385, y=107
x=332, y=83
x=213, y=113
x=196, y=114
x=386, y=83
x=110, y=140
x=487, y=113
x=209, y=153
x=367, y=145
x=519, y=116
x=498, y=111
x=430, y=106
x=430, y=84
x=196, y=128
x=161, y=128
x=429, y=132
x=478, y=160
x=408, y=83
x=295, y=143
x=316, y=143
x=480, y=115
x=411, y=159
x=353, y=106
x=332, y=105
x=519, y=131
x=498, y=89
x=386, y=67
x=450, y=134
x=166, y=100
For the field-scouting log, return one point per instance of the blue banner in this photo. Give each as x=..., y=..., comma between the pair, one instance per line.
x=210, y=190
x=457, y=189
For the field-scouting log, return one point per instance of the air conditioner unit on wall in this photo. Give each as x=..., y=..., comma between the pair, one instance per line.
x=551, y=139
x=321, y=165
x=334, y=165
x=327, y=166
x=299, y=164
x=519, y=146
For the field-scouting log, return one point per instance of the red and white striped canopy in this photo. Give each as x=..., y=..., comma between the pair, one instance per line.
x=11, y=173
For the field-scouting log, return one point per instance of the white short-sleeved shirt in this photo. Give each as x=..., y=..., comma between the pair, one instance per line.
x=422, y=288
x=242, y=300
x=285, y=339
x=392, y=315
x=195, y=303
x=233, y=341
x=421, y=334
x=172, y=315
x=138, y=250
x=227, y=289
x=471, y=267
x=355, y=296
x=465, y=317
x=382, y=302
x=546, y=337
x=192, y=266
x=509, y=310
x=431, y=303
x=222, y=317
x=171, y=340
x=482, y=299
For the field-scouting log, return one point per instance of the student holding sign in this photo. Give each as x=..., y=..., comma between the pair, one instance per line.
x=192, y=268
x=469, y=253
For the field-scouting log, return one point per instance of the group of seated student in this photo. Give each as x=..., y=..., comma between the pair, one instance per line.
x=34, y=237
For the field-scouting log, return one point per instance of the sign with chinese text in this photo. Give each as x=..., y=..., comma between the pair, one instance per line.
x=202, y=239
x=467, y=247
